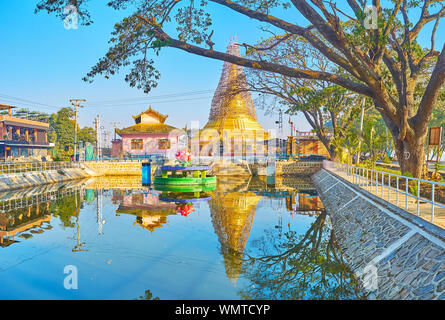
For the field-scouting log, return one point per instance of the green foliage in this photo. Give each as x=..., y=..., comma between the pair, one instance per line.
x=62, y=127
x=147, y=296
x=86, y=134
x=65, y=209
x=412, y=185
x=386, y=159
x=62, y=133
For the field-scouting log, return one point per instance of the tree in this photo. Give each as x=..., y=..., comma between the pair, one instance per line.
x=329, y=109
x=382, y=61
x=300, y=266
x=62, y=133
x=86, y=134
x=62, y=127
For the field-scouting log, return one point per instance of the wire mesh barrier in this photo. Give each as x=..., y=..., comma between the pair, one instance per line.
x=423, y=198
x=20, y=167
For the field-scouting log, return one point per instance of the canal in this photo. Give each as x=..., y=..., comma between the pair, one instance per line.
x=248, y=239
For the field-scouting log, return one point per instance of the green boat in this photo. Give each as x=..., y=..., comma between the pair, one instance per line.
x=191, y=178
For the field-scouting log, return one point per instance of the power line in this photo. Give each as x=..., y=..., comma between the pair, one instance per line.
x=115, y=103
x=171, y=95
x=157, y=102
x=12, y=98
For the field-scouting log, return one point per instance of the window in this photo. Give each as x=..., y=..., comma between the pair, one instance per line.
x=137, y=144
x=163, y=144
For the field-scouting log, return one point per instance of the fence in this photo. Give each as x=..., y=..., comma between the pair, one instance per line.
x=18, y=167
x=129, y=158
x=48, y=196
x=250, y=158
x=417, y=196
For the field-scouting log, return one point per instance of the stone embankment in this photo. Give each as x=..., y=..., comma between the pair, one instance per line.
x=395, y=254
x=13, y=181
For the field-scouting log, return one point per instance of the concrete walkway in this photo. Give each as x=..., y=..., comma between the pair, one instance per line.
x=434, y=214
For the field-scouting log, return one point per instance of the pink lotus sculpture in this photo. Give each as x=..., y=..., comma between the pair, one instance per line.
x=184, y=157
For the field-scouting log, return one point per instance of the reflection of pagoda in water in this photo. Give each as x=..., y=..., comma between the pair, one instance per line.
x=233, y=211
x=150, y=212
x=20, y=220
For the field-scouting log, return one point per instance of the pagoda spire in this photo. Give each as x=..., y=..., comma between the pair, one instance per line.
x=232, y=104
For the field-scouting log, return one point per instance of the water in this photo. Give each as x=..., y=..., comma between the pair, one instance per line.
x=250, y=241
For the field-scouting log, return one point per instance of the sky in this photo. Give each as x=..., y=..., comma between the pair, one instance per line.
x=43, y=62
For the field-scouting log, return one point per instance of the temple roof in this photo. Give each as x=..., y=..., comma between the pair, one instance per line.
x=147, y=128
x=157, y=115
x=149, y=121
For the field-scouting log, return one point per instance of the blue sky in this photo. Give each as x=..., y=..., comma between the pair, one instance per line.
x=44, y=62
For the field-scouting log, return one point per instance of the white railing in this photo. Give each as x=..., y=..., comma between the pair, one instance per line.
x=25, y=202
x=20, y=167
x=394, y=188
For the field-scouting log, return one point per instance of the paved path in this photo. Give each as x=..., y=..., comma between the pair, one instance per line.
x=423, y=209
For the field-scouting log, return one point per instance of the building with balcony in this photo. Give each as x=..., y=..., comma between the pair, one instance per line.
x=22, y=137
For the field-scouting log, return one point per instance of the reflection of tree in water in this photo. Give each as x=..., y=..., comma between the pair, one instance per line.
x=308, y=266
x=66, y=208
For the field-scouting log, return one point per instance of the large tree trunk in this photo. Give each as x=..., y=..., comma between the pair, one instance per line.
x=411, y=155
x=332, y=153
x=327, y=143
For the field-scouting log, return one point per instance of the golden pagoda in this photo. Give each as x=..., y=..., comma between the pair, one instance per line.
x=232, y=115
x=233, y=209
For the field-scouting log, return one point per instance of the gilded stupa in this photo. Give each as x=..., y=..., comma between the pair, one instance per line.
x=233, y=210
x=232, y=113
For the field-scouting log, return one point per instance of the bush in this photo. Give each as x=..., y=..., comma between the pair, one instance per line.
x=386, y=159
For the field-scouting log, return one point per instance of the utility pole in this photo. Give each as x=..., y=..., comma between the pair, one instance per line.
x=76, y=103
x=100, y=221
x=98, y=128
x=101, y=128
x=115, y=124
x=280, y=128
x=106, y=134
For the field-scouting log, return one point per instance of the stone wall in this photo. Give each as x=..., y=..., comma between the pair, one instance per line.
x=219, y=168
x=295, y=167
x=395, y=254
x=14, y=181
x=115, y=182
x=121, y=168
